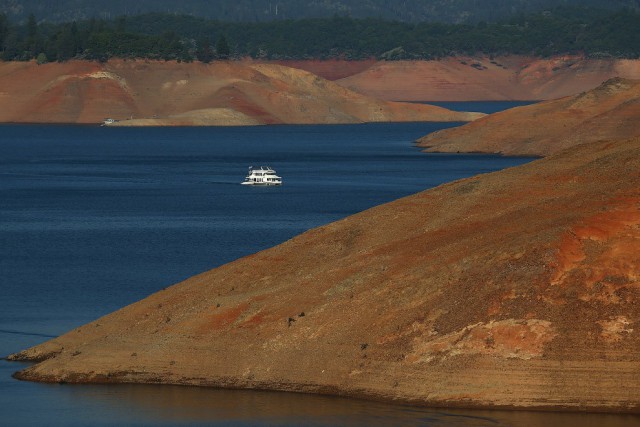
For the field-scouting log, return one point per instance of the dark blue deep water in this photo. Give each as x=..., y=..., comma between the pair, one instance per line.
x=94, y=218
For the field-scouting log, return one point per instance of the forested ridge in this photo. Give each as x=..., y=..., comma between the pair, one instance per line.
x=445, y=11
x=562, y=30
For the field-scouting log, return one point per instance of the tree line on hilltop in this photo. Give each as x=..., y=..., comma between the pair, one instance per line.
x=444, y=11
x=186, y=38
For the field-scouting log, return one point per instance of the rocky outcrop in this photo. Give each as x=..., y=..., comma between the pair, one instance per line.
x=139, y=93
x=611, y=111
x=516, y=289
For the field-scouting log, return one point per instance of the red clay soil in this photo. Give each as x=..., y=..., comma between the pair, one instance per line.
x=516, y=289
x=487, y=79
x=139, y=93
x=330, y=69
x=236, y=93
x=611, y=111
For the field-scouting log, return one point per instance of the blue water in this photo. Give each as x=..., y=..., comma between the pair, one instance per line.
x=487, y=107
x=94, y=218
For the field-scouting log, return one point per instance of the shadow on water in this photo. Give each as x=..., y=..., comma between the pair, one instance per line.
x=31, y=334
x=178, y=405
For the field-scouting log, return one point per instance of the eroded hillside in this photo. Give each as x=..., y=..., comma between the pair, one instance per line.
x=610, y=111
x=481, y=78
x=516, y=289
x=168, y=93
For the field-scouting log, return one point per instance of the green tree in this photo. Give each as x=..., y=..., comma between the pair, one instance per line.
x=31, y=43
x=121, y=24
x=4, y=30
x=222, y=47
x=66, y=43
x=204, y=52
x=11, y=47
x=41, y=58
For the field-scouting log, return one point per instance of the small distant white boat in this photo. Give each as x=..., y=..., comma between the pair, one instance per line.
x=262, y=176
x=108, y=121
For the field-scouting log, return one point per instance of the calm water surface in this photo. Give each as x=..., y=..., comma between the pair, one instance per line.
x=481, y=106
x=92, y=219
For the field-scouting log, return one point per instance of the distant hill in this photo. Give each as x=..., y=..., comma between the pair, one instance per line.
x=609, y=112
x=450, y=11
x=217, y=94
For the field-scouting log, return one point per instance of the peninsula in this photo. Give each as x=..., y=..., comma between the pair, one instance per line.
x=515, y=289
x=610, y=111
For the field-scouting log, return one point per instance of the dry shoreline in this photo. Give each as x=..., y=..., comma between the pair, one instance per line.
x=478, y=78
x=251, y=92
x=512, y=290
x=609, y=111
x=491, y=326
x=224, y=93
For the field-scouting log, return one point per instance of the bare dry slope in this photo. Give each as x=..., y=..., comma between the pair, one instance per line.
x=482, y=78
x=611, y=111
x=169, y=93
x=516, y=289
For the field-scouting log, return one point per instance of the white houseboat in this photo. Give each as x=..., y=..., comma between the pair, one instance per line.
x=263, y=175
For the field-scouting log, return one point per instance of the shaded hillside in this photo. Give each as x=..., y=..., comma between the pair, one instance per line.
x=170, y=93
x=611, y=111
x=516, y=289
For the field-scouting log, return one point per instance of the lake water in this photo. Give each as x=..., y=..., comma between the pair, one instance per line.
x=487, y=107
x=94, y=218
